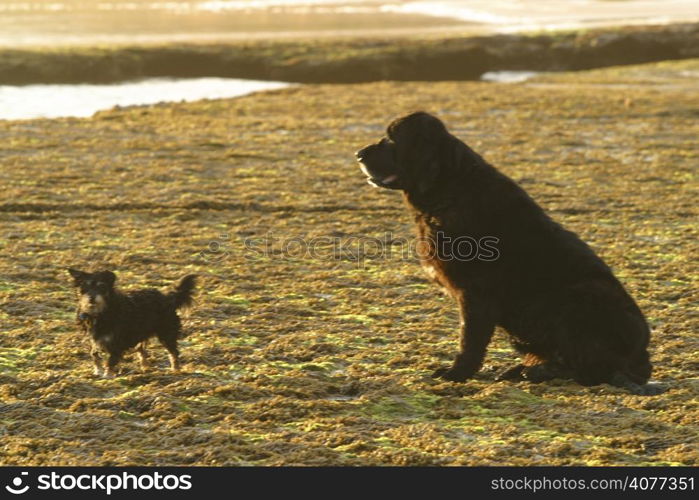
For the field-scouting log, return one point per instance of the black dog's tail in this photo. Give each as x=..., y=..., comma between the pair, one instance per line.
x=182, y=296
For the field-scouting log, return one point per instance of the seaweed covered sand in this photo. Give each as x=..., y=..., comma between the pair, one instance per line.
x=325, y=359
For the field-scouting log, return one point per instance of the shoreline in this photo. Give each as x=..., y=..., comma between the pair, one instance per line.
x=421, y=57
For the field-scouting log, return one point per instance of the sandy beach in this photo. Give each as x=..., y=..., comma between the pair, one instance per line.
x=327, y=360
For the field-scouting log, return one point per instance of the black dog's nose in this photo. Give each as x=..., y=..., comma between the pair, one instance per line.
x=360, y=154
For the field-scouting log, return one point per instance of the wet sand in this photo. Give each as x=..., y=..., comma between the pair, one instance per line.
x=76, y=22
x=95, y=28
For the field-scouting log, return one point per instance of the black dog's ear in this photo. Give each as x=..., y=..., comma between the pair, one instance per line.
x=421, y=139
x=78, y=276
x=417, y=126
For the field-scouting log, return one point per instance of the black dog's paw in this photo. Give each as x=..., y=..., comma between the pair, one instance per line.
x=452, y=374
x=649, y=389
x=545, y=372
x=513, y=373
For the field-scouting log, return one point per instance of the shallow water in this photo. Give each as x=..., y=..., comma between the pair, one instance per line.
x=69, y=22
x=19, y=102
x=53, y=101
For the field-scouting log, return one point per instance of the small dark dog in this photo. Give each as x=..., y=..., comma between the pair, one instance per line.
x=565, y=311
x=118, y=321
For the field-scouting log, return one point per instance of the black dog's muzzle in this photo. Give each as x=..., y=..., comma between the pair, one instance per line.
x=373, y=161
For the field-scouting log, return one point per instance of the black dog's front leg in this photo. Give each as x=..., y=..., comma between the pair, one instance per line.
x=477, y=327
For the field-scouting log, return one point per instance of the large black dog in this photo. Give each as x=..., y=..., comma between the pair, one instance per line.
x=507, y=263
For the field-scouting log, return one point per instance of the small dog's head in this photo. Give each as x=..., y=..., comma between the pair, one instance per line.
x=94, y=291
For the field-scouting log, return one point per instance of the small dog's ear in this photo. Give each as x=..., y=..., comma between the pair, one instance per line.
x=110, y=278
x=78, y=276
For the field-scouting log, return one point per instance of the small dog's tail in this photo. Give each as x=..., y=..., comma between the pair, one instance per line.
x=182, y=296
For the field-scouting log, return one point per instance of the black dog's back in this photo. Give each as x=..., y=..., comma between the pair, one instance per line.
x=560, y=302
x=555, y=295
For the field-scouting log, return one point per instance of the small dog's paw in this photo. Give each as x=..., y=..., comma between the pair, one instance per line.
x=454, y=375
x=97, y=372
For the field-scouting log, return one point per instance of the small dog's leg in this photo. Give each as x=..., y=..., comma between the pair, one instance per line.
x=96, y=359
x=113, y=360
x=143, y=355
x=169, y=341
x=174, y=362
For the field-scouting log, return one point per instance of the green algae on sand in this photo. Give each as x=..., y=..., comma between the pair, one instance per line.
x=326, y=361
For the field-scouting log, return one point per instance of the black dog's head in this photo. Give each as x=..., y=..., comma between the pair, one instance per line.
x=411, y=155
x=94, y=291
